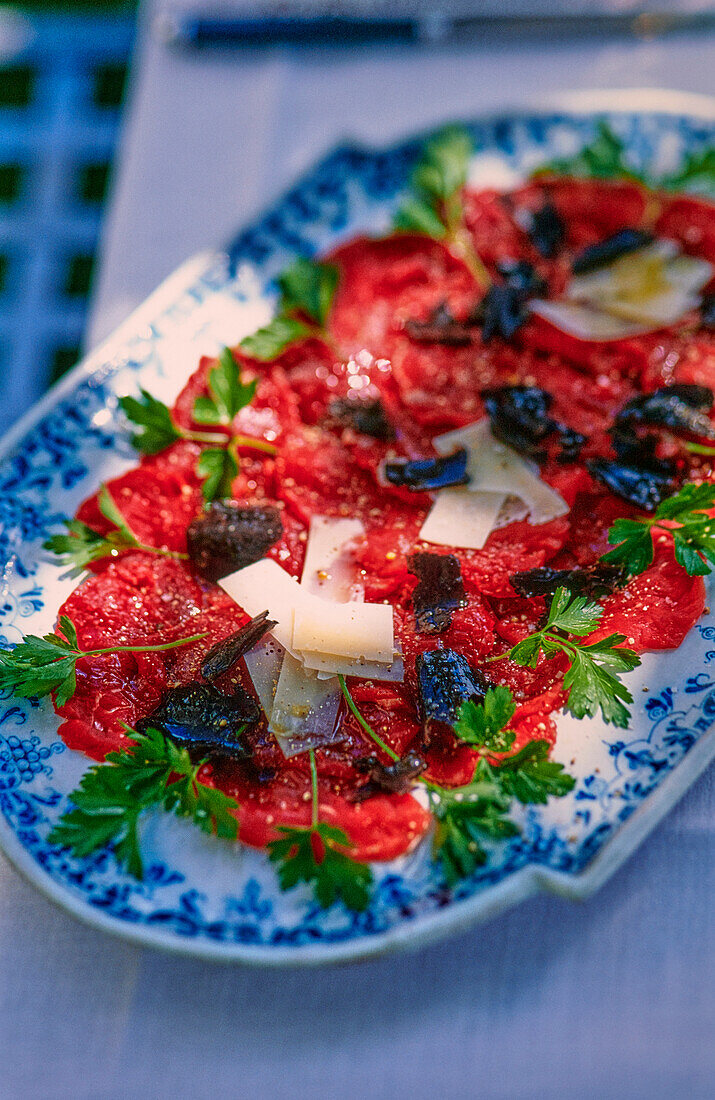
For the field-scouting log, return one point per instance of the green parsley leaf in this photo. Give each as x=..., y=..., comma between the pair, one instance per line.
x=219, y=468
x=40, y=666
x=602, y=158
x=444, y=165
x=437, y=181
x=153, y=417
x=111, y=798
x=272, y=340
x=308, y=288
x=310, y=855
x=482, y=724
x=693, y=538
x=460, y=828
x=697, y=173
x=228, y=394
x=530, y=776
x=592, y=678
x=575, y=614
x=418, y=216
x=80, y=546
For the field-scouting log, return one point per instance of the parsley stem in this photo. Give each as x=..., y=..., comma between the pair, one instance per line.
x=203, y=437
x=179, y=554
x=365, y=725
x=255, y=444
x=314, y=789
x=140, y=648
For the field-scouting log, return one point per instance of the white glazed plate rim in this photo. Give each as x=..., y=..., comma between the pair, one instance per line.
x=517, y=886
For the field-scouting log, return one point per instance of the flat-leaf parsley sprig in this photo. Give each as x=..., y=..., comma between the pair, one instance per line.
x=684, y=517
x=592, y=679
x=111, y=797
x=436, y=207
x=218, y=463
x=82, y=545
x=604, y=157
x=317, y=855
x=41, y=666
x=466, y=815
x=307, y=290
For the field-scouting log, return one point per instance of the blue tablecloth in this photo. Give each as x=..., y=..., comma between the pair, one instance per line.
x=607, y=1000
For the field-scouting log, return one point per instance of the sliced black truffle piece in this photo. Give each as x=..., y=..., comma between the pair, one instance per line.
x=519, y=417
x=680, y=408
x=643, y=488
x=225, y=653
x=546, y=230
x=229, y=535
x=707, y=311
x=445, y=679
x=203, y=720
x=572, y=443
x=639, y=451
x=594, y=581
x=425, y=474
x=440, y=590
x=522, y=276
x=503, y=311
x=441, y=328
x=397, y=778
x=698, y=397
x=365, y=416
x=605, y=252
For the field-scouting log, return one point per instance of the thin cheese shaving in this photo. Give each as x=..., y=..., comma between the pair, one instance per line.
x=356, y=631
x=495, y=468
x=462, y=518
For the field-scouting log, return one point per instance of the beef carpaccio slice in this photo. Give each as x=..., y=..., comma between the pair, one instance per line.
x=325, y=465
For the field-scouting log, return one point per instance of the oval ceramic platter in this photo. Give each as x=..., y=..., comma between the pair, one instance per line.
x=213, y=899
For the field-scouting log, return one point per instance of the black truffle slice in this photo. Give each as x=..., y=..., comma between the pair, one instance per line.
x=425, y=474
x=707, y=311
x=442, y=328
x=546, y=230
x=680, y=408
x=366, y=417
x=643, y=488
x=445, y=679
x=639, y=451
x=203, y=720
x=522, y=276
x=519, y=417
x=229, y=535
x=594, y=581
x=503, y=312
x=440, y=590
x=397, y=778
x=225, y=653
x=605, y=252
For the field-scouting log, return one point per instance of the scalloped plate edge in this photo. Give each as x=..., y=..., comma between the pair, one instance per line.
x=523, y=884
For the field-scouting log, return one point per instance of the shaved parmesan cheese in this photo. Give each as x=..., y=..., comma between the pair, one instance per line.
x=265, y=586
x=329, y=567
x=357, y=631
x=644, y=290
x=264, y=663
x=462, y=517
x=327, y=666
x=585, y=323
x=495, y=468
x=298, y=690
x=305, y=708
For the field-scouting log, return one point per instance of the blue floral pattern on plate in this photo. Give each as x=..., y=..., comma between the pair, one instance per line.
x=203, y=896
